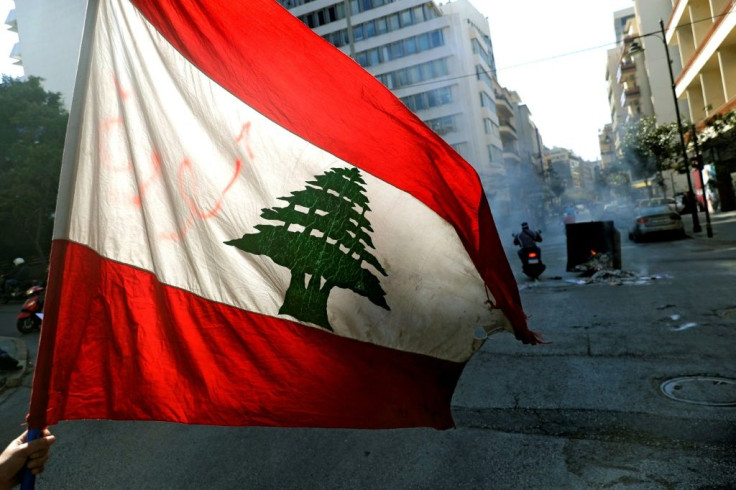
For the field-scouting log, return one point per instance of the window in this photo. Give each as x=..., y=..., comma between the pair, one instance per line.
x=461, y=148
x=405, y=17
x=358, y=32
x=393, y=22
x=490, y=127
x=425, y=100
x=487, y=101
x=442, y=125
x=483, y=76
x=415, y=74
x=495, y=154
x=381, y=25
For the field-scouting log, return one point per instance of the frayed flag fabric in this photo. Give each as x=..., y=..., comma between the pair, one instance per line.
x=252, y=230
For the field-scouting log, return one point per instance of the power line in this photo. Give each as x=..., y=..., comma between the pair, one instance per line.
x=611, y=44
x=569, y=53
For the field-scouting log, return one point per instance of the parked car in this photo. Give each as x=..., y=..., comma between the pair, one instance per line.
x=620, y=212
x=661, y=201
x=656, y=221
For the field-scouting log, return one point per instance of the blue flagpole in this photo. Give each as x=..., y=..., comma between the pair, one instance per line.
x=29, y=479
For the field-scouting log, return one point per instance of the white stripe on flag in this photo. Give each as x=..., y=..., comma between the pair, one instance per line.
x=180, y=166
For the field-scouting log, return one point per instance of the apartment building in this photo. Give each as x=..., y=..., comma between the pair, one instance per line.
x=639, y=81
x=438, y=59
x=649, y=13
x=619, y=70
x=50, y=36
x=704, y=31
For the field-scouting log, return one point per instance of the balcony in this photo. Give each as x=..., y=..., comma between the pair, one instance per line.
x=630, y=95
x=627, y=65
x=511, y=158
x=16, y=55
x=624, y=68
x=11, y=21
x=503, y=105
x=507, y=132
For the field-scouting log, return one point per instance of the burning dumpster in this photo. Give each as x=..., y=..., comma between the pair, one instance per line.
x=593, y=246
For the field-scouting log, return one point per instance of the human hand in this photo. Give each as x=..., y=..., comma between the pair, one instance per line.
x=20, y=453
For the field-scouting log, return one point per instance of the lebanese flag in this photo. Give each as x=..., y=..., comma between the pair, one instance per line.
x=252, y=230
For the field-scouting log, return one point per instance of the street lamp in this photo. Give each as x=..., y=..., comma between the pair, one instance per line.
x=636, y=48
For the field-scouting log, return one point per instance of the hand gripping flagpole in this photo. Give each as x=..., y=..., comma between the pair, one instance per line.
x=44, y=362
x=29, y=479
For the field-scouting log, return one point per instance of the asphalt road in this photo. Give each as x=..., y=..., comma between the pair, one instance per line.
x=584, y=411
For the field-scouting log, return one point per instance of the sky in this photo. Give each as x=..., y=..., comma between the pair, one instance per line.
x=552, y=53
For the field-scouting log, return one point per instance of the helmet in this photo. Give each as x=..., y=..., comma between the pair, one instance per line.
x=19, y=261
x=525, y=225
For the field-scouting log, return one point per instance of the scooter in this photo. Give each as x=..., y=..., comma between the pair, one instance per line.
x=31, y=313
x=531, y=261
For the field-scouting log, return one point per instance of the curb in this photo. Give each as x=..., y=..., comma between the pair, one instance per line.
x=19, y=350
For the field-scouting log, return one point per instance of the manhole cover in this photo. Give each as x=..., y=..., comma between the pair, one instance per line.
x=713, y=391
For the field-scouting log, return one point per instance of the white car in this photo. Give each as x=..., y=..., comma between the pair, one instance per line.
x=656, y=220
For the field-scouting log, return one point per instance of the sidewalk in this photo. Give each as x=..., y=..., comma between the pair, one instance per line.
x=723, y=226
x=17, y=348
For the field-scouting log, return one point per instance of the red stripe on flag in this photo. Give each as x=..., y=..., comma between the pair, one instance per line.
x=270, y=60
x=136, y=349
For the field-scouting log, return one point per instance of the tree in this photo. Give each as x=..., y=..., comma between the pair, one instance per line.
x=650, y=148
x=324, y=240
x=32, y=129
x=556, y=183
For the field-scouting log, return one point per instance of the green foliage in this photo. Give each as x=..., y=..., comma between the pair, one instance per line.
x=720, y=132
x=649, y=147
x=32, y=130
x=322, y=237
x=556, y=183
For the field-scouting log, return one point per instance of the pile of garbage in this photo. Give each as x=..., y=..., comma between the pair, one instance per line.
x=617, y=277
x=596, y=263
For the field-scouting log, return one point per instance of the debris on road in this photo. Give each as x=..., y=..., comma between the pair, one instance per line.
x=616, y=277
x=684, y=327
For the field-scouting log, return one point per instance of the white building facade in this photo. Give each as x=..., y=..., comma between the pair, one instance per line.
x=438, y=59
x=50, y=36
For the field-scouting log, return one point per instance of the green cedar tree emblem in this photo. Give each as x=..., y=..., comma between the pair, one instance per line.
x=324, y=241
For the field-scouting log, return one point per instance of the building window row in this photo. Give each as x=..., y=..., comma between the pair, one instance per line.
x=443, y=125
x=399, y=49
x=294, y=3
x=415, y=74
x=358, y=6
x=334, y=12
x=382, y=25
x=425, y=100
x=324, y=16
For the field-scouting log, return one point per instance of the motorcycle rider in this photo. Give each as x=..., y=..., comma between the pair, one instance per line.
x=527, y=240
x=16, y=276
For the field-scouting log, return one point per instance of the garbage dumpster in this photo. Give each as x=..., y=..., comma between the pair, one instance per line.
x=593, y=246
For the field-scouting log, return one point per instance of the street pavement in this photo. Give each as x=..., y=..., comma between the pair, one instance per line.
x=587, y=410
x=16, y=348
